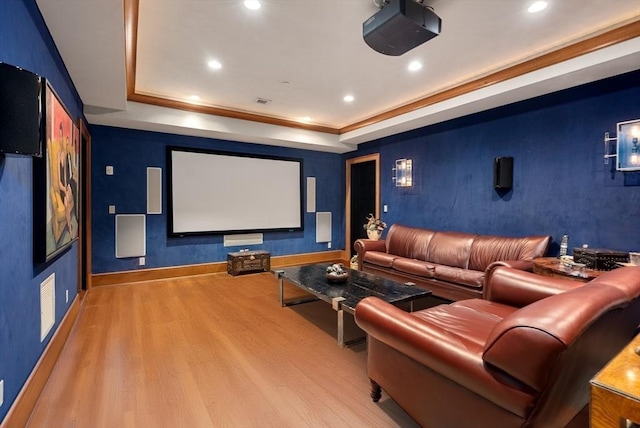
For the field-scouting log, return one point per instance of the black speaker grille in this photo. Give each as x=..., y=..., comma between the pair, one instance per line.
x=503, y=173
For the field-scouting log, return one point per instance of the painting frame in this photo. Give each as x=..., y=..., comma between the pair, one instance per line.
x=56, y=180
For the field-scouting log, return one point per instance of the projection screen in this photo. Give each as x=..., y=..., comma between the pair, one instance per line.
x=221, y=192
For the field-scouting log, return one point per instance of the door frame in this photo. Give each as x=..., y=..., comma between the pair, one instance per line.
x=375, y=157
x=85, y=242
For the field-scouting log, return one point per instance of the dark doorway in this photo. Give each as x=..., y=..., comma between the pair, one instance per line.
x=363, y=196
x=85, y=245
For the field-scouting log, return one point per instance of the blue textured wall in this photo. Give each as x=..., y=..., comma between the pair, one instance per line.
x=130, y=152
x=24, y=41
x=560, y=185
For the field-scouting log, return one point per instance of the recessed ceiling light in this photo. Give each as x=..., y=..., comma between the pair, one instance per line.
x=194, y=98
x=348, y=98
x=305, y=119
x=252, y=4
x=214, y=64
x=415, y=66
x=537, y=6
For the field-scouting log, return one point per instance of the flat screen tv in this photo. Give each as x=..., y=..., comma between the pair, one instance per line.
x=213, y=192
x=21, y=107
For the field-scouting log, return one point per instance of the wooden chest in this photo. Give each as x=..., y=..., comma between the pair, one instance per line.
x=248, y=261
x=598, y=258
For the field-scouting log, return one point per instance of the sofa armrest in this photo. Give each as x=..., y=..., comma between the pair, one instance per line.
x=449, y=355
x=363, y=245
x=519, y=288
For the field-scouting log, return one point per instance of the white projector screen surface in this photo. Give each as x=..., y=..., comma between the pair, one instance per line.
x=215, y=192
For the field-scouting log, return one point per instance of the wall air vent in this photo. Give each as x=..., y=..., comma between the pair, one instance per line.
x=47, y=305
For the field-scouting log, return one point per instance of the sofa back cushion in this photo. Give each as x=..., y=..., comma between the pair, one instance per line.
x=534, y=246
x=528, y=343
x=409, y=242
x=450, y=248
x=488, y=249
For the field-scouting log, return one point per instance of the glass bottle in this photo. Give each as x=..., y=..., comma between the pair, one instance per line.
x=563, y=245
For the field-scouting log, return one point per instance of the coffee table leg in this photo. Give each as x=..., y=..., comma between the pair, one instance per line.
x=341, y=328
x=281, y=290
x=335, y=304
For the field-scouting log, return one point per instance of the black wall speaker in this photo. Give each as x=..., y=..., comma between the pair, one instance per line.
x=503, y=173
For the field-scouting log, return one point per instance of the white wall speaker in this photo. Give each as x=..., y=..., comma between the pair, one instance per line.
x=154, y=190
x=311, y=194
x=131, y=236
x=323, y=227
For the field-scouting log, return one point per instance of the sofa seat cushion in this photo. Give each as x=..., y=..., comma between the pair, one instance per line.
x=379, y=258
x=470, y=323
x=470, y=278
x=491, y=310
x=414, y=267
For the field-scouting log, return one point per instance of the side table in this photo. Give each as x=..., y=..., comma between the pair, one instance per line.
x=551, y=266
x=615, y=391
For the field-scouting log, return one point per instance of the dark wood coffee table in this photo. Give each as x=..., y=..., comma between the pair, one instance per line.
x=344, y=297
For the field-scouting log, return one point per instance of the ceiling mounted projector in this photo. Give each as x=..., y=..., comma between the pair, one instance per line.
x=400, y=26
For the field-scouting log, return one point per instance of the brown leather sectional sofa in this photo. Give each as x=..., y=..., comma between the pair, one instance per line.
x=521, y=357
x=450, y=264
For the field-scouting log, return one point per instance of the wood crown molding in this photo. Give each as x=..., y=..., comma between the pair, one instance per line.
x=609, y=38
x=234, y=114
x=131, y=8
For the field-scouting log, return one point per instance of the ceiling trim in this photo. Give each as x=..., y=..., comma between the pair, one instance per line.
x=131, y=8
x=606, y=39
x=610, y=38
x=234, y=114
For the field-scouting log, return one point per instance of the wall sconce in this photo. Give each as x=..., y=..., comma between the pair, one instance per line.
x=627, y=148
x=403, y=173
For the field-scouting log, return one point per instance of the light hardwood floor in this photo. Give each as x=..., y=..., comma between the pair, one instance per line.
x=208, y=351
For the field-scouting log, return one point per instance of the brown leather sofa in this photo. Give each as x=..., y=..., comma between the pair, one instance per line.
x=521, y=357
x=450, y=264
